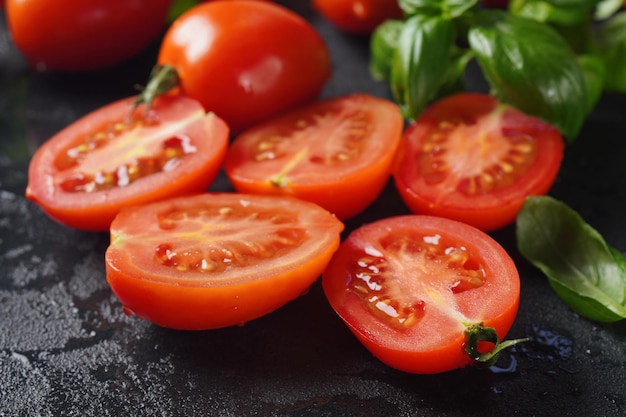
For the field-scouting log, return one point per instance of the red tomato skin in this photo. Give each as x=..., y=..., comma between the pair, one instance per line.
x=358, y=17
x=197, y=302
x=490, y=211
x=494, y=304
x=343, y=189
x=246, y=61
x=95, y=211
x=75, y=35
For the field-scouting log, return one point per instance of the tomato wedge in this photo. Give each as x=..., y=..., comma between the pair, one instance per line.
x=470, y=158
x=217, y=260
x=106, y=160
x=410, y=286
x=336, y=153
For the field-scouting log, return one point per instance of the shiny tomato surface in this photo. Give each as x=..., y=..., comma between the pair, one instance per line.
x=409, y=286
x=336, y=153
x=85, y=174
x=217, y=260
x=247, y=61
x=470, y=158
x=358, y=16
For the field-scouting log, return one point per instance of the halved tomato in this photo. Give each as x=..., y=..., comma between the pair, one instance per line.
x=336, y=153
x=115, y=157
x=410, y=287
x=470, y=158
x=217, y=260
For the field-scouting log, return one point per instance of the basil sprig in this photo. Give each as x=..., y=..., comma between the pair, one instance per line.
x=540, y=56
x=585, y=272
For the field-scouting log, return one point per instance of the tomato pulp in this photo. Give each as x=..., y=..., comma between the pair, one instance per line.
x=246, y=61
x=336, y=153
x=358, y=16
x=409, y=286
x=217, y=260
x=85, y=174
x=470, y=158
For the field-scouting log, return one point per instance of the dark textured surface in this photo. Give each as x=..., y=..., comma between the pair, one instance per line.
x=66, y=348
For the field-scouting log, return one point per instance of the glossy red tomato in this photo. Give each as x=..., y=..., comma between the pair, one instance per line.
x=470, y=158
x=409, y=287
x=217, y=260
x=336, y=153
x=85, y=174
x=77, y=35
x=246, y=60
x=358, y=16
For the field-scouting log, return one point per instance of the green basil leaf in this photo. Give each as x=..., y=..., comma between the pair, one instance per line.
x=544, y=11
x=383, y=43
x=530, y=66
x=448, y=9
x=609, y=43
x=581, y=267
x=421, y=61
x=607, y=8
x=594, y=72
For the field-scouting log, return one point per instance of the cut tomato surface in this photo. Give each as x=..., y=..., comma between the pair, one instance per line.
x=217, y=260
x=470, y=158
x=409, y=286
x=85, y=174
x=336, y=153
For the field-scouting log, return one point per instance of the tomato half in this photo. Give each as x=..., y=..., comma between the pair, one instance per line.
x=358, y=16
x=76, y=35
x=85, y=174
x=470, y=158
x=247, y=61
x=217, y=260
x=409, y=286
x=336, y=153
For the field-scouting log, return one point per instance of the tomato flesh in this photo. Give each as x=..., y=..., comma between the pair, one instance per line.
x=409, y=286
x=85, y=174
x=470, y=158
x=336, y=153
x=217, y=260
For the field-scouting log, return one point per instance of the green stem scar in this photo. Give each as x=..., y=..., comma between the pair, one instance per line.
x=479, y=333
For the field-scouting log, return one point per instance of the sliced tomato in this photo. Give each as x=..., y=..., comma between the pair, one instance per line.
x=410, y=286
x=217, y=260
x=109, y=159
x=336, y=153
x=470, y=158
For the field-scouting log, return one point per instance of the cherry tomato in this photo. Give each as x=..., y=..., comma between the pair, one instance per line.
x=410, y=286
x=105, y=161
x=77, y=35
x=217, y=260
x=358, y=16
x=336, y=153
x=247, y=61
x=470, y=158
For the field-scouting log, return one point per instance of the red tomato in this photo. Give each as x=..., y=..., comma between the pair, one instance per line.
x=77, y=35
x=408, y=287
x=358, y=16
x=246, y=60
x=217, y=260
x=336, y=153
x=472, y=159
x=103, y=162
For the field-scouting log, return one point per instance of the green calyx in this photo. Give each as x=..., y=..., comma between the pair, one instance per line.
x=479, y=333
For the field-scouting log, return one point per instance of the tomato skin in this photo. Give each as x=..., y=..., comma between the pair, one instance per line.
x=392, y=257
x=189, y=173
x=263, y=276
x=359, y=17
x=75, y=35
x=258, y=59
x=336, y=153
x=487, y=136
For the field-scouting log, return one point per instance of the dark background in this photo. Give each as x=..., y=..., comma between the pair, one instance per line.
x=66, y=348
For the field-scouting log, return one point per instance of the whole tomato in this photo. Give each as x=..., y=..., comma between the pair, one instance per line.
x=357, y=16
x=246, y=60
x=78, y=35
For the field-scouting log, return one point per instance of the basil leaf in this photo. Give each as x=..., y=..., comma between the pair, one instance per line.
x=383, y=43
x=607, y=8
x=530, y=66
x=581, y=267
x=594, y=72
x=448, y=9
x=609, y=43
x=421, y=62
x=544, y=11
